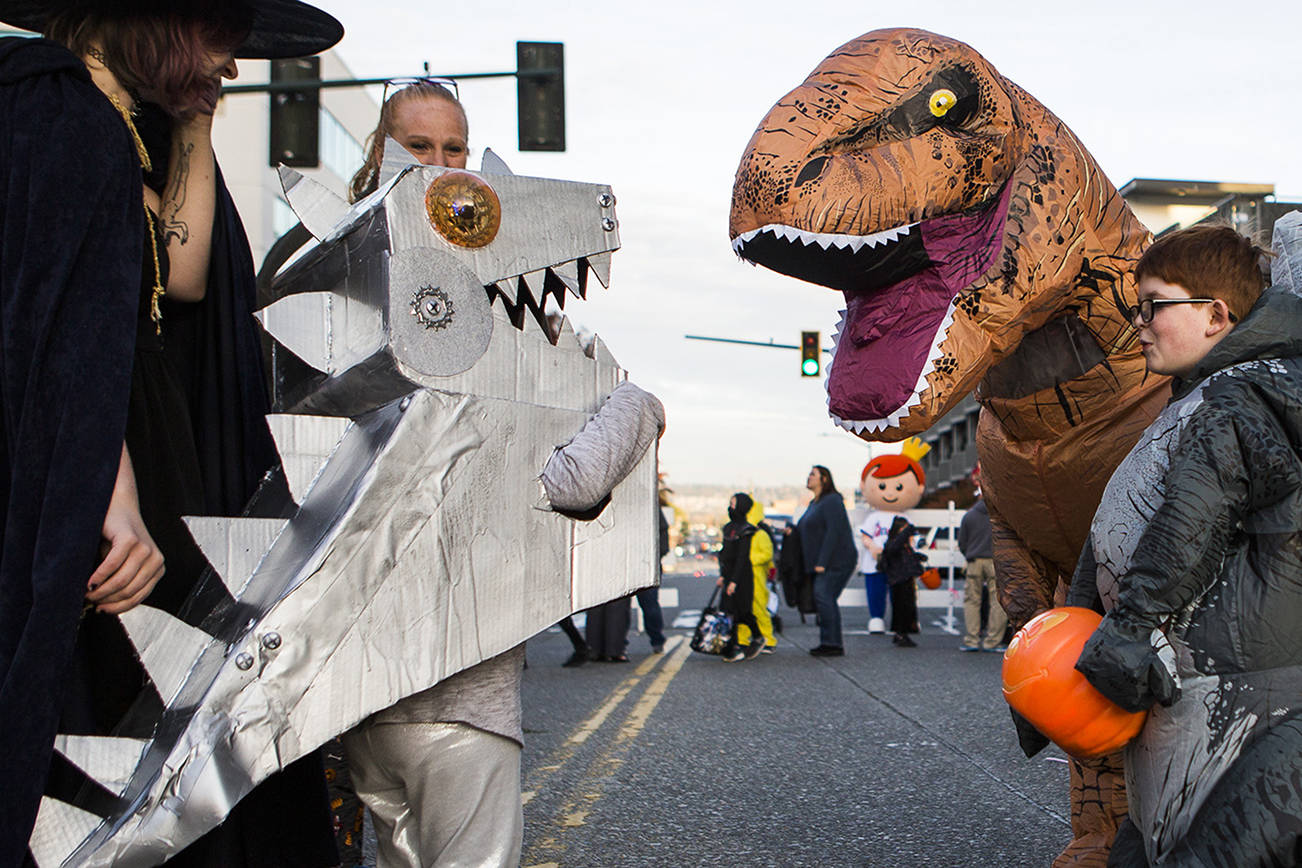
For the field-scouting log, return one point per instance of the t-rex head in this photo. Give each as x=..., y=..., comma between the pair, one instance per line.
x=954, y=211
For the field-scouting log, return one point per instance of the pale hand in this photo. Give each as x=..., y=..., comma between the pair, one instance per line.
x=132, y=563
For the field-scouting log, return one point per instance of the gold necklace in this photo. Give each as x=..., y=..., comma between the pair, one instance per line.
x=155, y=311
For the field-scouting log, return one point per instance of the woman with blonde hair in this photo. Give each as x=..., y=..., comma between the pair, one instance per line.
x=427, y=119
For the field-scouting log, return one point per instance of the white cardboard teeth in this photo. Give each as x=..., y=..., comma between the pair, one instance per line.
x=168, y=647
x=108, y=760
x=234, y=546
x=599, y=264
x=60, y=828
x=507, y=288
x=305, y=443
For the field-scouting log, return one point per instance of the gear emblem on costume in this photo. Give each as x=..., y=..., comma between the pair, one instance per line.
x=432, y=308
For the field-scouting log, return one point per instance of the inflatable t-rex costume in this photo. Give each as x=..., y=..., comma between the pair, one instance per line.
x=443, y=512
x=979, y=246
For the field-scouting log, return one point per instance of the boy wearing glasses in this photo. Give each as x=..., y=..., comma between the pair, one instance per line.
x=1195, y=554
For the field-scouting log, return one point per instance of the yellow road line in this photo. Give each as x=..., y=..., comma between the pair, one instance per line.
x=593, y=723
x=651, y=698
x=538, y=777
x=575, y=811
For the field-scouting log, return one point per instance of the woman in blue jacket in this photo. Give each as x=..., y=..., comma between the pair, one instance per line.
x=830, y=556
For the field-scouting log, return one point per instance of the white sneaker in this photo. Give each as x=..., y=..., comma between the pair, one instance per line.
x=876, y=625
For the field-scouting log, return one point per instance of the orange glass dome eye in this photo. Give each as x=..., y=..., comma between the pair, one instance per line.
x=942, y=101
x=463, y=209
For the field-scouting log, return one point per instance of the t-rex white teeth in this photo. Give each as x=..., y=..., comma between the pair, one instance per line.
x=524, y=294
x=305, y=444
x=825, y=240
x=235, y=546
x=599, y=352
x=109, y=761
x=60, y=828
x=168, y=647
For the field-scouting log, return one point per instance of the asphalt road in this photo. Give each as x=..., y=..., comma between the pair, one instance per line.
x=884, y=757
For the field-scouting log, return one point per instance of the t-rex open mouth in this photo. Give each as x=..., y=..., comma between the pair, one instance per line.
x=900, y=287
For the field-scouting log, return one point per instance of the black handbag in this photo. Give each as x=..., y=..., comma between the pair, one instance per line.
x=713, y=630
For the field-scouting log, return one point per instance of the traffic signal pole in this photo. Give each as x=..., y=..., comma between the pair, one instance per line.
x=294, y=91
x=803, y=346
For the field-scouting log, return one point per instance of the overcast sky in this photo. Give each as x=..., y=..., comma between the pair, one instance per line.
x=662, y=98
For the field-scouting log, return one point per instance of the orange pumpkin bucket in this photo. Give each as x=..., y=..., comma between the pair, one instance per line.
x=1041, y=683
x=930, y=579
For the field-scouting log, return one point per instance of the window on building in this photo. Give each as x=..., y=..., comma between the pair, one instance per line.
x=283, y=217
x=340, y=152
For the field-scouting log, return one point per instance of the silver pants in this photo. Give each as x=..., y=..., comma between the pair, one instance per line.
x=440, y=794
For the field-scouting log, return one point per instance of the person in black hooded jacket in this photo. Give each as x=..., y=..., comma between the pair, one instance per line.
x=1195, y=553
x=738, y=579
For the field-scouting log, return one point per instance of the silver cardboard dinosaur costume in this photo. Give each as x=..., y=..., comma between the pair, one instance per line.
x=424, y=540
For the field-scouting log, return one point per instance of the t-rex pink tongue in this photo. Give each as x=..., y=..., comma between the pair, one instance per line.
x=889, y=333
x=884, y=346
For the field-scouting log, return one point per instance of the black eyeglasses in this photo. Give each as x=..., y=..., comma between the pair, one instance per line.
x=397, y=84
x=1148, y=307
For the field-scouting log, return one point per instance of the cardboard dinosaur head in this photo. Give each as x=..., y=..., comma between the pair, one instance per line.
x=954, y=212
x=440, y=379
x=443, y=278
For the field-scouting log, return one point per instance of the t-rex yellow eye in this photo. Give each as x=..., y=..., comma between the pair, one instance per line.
x=942, y=101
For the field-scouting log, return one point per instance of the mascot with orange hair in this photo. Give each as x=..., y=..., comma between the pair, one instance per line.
x=891, y=485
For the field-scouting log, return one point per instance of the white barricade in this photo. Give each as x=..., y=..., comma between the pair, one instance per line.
x=939, y=542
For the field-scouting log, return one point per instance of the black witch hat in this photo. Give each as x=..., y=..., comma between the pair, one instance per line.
x=280, y=28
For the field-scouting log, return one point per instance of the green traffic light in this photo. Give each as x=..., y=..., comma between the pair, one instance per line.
x=809, y=367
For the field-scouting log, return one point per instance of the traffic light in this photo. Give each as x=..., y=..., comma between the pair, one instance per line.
x=540, y=99
x=295, y=115
x=810, y=354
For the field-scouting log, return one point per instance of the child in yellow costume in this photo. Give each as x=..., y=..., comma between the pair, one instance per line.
x=761, y=561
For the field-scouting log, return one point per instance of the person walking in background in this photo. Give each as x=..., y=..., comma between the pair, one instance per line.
x=607, y=630
x=737, y=578
x=830, y=557
x=648, y=599
x=974, y=543
x=581, y=653
x=761, y=563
